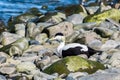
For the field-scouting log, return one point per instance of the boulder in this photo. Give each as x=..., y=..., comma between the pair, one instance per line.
x=53, y=18
x=25, y=67
x=75, y=19
x=110, y=44
x=108, y=74
x=103, y=15
x=8, y=38
x=73, y=64
x=103, y=32
x=64, y=27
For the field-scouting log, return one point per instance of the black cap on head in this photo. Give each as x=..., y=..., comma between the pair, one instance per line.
x=59, y=34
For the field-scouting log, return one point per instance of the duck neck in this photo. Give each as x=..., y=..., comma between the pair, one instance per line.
x=60, y=47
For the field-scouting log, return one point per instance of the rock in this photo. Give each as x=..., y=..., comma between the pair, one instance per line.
x=42, y=76
x=86, y=37
x=86, y=26
x=64, y=27
x=53, y=18
x=72, y=37
x=2, y=26
x=2, y=59
x=23, y=18
x=103, y=15
x=35, y=48
x=8, y=38
x=109, y=74
x=16, y=48
x=32, y=30
x=43, y=62
x=73, y=64
x=103, y=32
x=42, y=25
x=116, y=36
x=95, y=44
x=34, y=11
x=2, y=54
x=72, y=9
x=20, y=29
x=108, y=25
x=25, y=67
x=30, y=56
x=115, y=59
x=7, y=70
x=92, y=9
x=110, y=44
x=41, y=38
x=2, y=77
x=34, y=42
x=75, y=19
x=76, y=75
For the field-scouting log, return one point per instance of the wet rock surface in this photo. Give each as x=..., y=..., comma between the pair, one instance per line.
x=26, y=53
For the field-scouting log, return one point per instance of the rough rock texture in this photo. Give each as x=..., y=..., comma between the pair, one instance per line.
x=103, y=15
x=73, y=64
x=65, y=27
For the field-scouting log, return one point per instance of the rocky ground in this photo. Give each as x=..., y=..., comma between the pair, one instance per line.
x=26, y=54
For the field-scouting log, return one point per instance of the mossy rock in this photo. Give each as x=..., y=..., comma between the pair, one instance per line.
x=73, y=64
x=99, y=17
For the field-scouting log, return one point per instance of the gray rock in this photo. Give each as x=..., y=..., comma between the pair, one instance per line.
x=20, y=29
x=110, y=44
x=109, y=74
x=32, y=30
x=2, y=77
x=42, y=76
x=64, y=27
x=76, y=75
x=75, y=19
x=43, y=62
x=34, y=42
x=25, y=67
x=115, y=59
x=95, y=44
x=7, y=70
x=8, y=38
x=41, y=38
x=86, y=26
x=2, y=59
x=116, y=36
x=91, y=9
x=108, y=25
x=43, y=25
x=103, y=32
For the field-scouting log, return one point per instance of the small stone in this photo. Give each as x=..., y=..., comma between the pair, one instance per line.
x=41, y=38
x=43, y=62
x=103, y=32
x=110, y=44
x=74, y=76
x=2, y=59
x=33, y=42
x=25, y=67
x=7, y=70
x=2, y=77
x=95, y=44
x=75, y=19
x=115, y=59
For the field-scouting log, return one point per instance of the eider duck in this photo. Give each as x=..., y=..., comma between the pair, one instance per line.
x=71, y=49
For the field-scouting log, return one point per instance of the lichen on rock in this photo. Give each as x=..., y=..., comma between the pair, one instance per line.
x=73, y=64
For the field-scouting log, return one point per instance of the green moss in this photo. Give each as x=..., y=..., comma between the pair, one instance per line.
x=112, y=13
x=74, y=64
